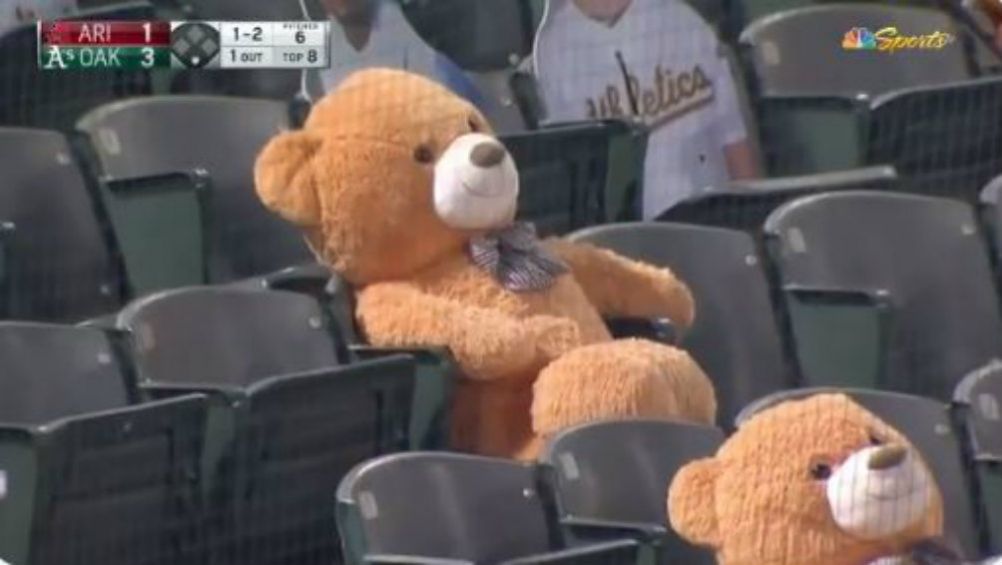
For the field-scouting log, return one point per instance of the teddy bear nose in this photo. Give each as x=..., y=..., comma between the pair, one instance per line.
x=886, y=457
x=486, y=154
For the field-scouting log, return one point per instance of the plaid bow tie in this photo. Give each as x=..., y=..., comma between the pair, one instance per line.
x=515, y=258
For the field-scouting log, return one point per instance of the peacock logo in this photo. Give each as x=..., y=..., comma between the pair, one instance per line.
x=859, y=38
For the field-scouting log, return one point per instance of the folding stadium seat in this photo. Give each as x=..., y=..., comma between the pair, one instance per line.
x=147, y=136
x=32, y=97
x=289, y=420
x=435, y=369
x=489, y=40
x=926, y=423
x=913, y=268
x=59, y=263
x=485, y=511
x=88, y=478
x=977, y=404
x=735, y=337
x=811, y=121
x=568, y=178
x=612, y=477
x=943, y=140
x=744, y=205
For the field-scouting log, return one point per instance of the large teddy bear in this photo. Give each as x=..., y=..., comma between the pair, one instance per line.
x=819, y=481
x=403, y=189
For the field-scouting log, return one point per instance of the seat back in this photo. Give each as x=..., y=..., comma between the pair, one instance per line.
x=116, y=487
x=745, y=205
x=563, y=172
x=141, y=137
x=305, y=434
x=30, y=96
x=912, y=247
x=905, y=129
x=486, y=510
x=226, y=337
x=620, y=472
x=926, y=423
x=977, y=403
x=60, y=267
x=735, y=337
x=52, y=372
x=786, y=49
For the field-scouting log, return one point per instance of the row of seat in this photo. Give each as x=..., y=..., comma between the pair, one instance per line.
x=204, y=425
x=132, y=203
x=607, y=480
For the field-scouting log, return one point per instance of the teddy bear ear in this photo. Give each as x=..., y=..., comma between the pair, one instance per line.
x=284, y=180
x=691, y=502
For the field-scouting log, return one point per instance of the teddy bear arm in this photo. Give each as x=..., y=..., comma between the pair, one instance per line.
x=622, y=287
x=486, y=344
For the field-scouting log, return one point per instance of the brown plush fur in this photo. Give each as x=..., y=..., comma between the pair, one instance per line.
x=756, y=503
x=350, y=179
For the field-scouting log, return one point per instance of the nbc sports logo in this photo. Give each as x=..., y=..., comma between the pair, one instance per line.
x=859, y=38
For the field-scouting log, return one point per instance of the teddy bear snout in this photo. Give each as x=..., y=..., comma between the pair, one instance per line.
x=476, y=183
x=487, y=154
x=878, y=491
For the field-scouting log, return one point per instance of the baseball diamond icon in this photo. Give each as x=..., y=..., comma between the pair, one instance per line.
x=195, y=44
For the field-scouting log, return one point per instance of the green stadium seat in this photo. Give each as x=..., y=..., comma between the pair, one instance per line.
x=978, y=407
x=435, y=368
x=611, y=479
x=927, y=424
x=485, y=511
x=735, y=337
x=142, y=137
x=813, y=122
x=907, y=277
x=87, y=476
x=289, y=419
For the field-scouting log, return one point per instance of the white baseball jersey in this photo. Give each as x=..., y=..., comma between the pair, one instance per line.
x=682, y=87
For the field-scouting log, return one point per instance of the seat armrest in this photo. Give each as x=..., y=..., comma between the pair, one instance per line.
x=661, y=330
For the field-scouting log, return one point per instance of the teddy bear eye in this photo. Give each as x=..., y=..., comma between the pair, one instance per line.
x=423, y=154
x=821, y=471
x=875, y=440
x=473, y=125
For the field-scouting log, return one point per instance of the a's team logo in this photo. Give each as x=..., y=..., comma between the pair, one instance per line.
x=890, y=40
x=859, y=38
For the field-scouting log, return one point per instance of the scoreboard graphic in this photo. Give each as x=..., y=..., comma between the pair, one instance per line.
x=129, y=45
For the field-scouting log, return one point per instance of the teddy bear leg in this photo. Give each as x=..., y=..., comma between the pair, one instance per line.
x=629, y=378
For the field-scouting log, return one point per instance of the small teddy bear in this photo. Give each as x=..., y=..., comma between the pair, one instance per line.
x=404, y=190
x=811, y=482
